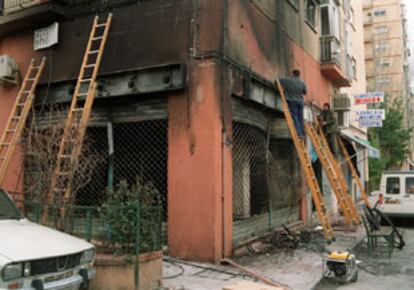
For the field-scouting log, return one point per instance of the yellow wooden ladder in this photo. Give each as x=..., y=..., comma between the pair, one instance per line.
x=353, y=171
x=309, y=173
x=18, y=116
x=60, y=190
x=331, y=173
x=348, y=199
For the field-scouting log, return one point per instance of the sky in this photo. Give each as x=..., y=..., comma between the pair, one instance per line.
x=410, y=27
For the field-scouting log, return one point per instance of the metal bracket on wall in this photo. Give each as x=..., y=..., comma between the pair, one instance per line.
x=150, y=80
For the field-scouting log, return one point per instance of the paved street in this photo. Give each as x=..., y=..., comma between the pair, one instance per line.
x=381, y=273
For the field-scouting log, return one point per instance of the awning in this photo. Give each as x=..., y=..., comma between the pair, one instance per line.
x=372, y=152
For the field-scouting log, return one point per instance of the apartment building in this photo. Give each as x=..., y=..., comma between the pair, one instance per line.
x=186, y=88
x=385, y=48
x=386, y=53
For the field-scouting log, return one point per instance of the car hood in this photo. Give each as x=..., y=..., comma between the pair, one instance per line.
x=22, y=240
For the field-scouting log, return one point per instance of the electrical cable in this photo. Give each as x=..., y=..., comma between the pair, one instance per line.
x=364, y=268
x=179, y=261
x=182, y=270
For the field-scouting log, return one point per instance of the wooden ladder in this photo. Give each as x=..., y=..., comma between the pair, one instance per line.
x=331, y=173
x=354, y=172
x=18, y=116
x=78, y=117
x=306, y=164
x=348, y=199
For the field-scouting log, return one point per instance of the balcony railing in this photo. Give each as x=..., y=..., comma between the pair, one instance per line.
x=330, y=50
x=10, y=6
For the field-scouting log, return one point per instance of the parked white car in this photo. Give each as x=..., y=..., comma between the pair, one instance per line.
x=34, y=257
x=396, y=194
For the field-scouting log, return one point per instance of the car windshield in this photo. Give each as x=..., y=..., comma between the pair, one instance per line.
x=7, y=208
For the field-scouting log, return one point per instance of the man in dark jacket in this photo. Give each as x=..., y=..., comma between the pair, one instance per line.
x=295, y=89
x=330, y=127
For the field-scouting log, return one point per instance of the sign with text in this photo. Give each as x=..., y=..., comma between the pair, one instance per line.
x=371, y=115
x=46, y=37
x=370, y=123
x=369, y=98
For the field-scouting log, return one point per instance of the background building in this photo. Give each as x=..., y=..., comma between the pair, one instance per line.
x=386, y=54
x=385, y=48
x=354, y=47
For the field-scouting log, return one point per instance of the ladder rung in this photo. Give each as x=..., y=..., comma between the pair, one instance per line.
x=86, y=80
x=36, y=67
x=15, y=118
x=101, y=25
x=89, y=65
x=77, y=110
x=31, y=79
x=4, y=144
x=21, y=104
x=97, y=38
x=93, y=51
x=63, y=173
x=10, y=130
x=66, y=156
x=26, y=92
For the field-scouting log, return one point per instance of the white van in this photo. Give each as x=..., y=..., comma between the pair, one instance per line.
x=396, y=195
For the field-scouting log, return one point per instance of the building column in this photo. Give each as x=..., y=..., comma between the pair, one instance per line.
x=199, y=169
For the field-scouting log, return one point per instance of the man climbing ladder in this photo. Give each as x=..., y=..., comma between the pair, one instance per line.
x=306, y=164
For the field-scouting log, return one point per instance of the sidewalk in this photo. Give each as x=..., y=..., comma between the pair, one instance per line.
x=299, y=269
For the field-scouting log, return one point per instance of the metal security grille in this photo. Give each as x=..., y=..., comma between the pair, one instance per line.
x=250, y=186
x=93, y=191
x=266, y=181
x=140, y=151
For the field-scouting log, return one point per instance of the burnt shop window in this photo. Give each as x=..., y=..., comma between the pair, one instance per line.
x=409, y=185
x=310, y=12
x=393, y=185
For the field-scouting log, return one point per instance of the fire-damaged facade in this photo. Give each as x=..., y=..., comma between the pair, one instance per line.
x=186, y=101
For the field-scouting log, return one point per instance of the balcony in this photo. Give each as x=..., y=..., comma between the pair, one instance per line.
x=331, y=61
x=330, y=49
x=11, y=6
x=22, y=14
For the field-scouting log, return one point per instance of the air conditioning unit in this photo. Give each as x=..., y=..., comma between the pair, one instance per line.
x=341, y=102
x=344, y=119
x=9, y=71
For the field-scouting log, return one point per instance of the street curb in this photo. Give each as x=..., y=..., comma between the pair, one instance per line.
x=357, y=244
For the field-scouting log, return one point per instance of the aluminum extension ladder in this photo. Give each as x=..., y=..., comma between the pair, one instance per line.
x=60, y=189
x=334, y=174
x=353, y=171
x=18, y=116
x=309, y=173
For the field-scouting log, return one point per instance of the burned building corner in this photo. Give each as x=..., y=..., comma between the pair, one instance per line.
x=186, y=101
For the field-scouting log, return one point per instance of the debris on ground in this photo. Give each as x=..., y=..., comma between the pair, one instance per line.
x=288, y=257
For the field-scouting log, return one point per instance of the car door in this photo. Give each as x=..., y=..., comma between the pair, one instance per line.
x=393, y=195
x=408, y=195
